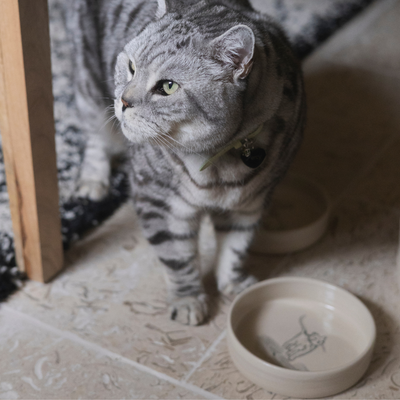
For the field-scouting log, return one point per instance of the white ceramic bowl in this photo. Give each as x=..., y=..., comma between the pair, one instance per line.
x=297, y=217
x=300, y=337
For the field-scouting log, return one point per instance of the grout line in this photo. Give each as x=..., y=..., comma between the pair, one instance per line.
x=114, y=356
x=357, y=180
x=205, y=355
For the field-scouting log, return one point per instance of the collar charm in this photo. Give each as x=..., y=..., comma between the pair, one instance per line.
x=252, y=157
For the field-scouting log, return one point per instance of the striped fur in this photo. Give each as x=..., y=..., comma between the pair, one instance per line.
x=235, y=71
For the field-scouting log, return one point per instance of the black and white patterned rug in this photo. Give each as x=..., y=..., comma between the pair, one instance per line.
x=307, y=23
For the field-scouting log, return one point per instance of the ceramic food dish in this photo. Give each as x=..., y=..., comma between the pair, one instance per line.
x=297, y=217
x=300, y=337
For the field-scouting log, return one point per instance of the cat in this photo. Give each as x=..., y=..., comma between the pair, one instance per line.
x=211, y=100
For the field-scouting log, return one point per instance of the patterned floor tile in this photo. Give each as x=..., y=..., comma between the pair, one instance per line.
x=38, y=364
x=114, y=294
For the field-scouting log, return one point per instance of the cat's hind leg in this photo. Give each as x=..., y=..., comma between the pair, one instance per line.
x=103, y=140
x=94, y=179
x=93, y=100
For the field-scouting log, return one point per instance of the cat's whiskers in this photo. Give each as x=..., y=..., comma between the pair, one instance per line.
x=185, y=147
x=117, y=122
x=165, y=143
x=109, y=109
x=113, y=117
x=164, y=138
x=160, y=143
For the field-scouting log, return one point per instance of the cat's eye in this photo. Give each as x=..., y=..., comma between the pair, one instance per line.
x=170, y=87
x=167, y=87
x=131, y=68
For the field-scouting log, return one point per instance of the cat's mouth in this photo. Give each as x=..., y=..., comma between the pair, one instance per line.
x=138, y=130
x=133, y=135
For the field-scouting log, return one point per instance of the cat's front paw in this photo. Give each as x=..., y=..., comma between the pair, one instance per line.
x=235, y=286
x=190, y=310
x=92, y=189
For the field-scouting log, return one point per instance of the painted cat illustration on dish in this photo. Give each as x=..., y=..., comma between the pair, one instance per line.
x=297, y=346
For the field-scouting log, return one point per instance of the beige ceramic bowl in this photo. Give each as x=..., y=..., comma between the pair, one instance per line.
x=300, y=337
x=297, y=217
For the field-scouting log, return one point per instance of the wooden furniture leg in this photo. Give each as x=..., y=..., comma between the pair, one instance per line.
x=27, y=130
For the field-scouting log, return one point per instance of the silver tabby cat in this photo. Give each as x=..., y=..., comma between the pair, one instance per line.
x=191, y=78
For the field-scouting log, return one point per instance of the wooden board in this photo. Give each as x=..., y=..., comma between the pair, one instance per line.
x=27, y=129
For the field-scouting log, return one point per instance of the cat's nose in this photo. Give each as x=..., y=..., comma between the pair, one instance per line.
x=125, y=104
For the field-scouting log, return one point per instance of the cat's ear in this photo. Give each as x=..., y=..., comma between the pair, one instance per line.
x=162, y=8
x=235, y=49
x=167, y=6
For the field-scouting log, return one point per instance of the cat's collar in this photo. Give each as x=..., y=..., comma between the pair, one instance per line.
x=237, y=145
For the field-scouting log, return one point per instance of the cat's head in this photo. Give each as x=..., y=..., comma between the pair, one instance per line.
x=177, y=83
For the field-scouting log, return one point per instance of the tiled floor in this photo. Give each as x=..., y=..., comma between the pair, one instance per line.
x=101, y=328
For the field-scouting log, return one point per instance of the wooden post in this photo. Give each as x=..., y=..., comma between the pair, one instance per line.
x=27, y=129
